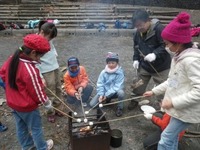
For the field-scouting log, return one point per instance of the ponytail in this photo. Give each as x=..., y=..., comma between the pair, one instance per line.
x=12, y=70
x=13, y=66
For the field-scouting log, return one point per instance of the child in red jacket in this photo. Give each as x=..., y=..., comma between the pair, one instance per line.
x=25, y=91
x=161, y=120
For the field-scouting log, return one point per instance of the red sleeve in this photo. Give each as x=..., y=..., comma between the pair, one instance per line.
x=162, y=123
x=3, y=70
x=34, y=84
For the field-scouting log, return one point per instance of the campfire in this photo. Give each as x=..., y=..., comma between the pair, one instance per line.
x=95, y=136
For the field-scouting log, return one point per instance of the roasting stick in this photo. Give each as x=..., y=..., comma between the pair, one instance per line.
x=129, y=99
x=128, y=117
x=83, y=110
x=63, y=113
x=61, y=100
x=92, y=107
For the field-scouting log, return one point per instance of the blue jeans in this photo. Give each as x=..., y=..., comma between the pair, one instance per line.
x=87, y=91
x=170, y=135
x=119, y=94
x=29, y=129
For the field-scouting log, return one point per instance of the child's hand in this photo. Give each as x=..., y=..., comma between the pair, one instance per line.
x=167, y=103
x=148, y=94
x=48, y=104
x=80, y=90
x=102, y=98
x=78, y=96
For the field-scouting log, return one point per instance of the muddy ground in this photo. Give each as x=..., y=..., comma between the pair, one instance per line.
x=91, y=51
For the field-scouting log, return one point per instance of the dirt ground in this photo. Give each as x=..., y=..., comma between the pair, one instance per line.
x=91, y=51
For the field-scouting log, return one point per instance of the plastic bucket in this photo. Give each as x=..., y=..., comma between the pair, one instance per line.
x=116, y=138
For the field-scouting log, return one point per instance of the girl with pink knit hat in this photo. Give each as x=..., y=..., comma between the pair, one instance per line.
x=182, y=88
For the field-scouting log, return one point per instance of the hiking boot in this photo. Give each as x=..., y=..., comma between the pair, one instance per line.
x=133, y=104
x=52, y=118
x=3, y=128
x=119, y=112
x=49, y=144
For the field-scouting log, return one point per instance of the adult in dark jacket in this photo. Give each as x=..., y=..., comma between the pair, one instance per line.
x=150, y=58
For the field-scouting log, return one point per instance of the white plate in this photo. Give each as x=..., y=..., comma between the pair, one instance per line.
x=147, y=109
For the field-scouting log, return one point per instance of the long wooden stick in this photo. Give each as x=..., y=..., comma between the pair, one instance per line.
x=63, y=113
x=129, y=99
x=59, y=99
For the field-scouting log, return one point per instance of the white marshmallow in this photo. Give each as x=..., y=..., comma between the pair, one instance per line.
x=90, y=123
x=100, y=105
x=86, y=112
x=78, y=120
x=75, y=113
x=85, y=120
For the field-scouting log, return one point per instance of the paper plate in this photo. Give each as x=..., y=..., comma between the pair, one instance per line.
x=147, y=109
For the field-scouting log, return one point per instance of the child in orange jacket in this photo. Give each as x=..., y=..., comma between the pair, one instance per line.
x=76, y=83
x=161, y=120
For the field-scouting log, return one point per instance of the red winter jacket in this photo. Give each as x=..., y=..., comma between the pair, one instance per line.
x=163, y=122
x=30, y=91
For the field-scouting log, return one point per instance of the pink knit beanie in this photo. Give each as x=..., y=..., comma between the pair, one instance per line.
x=178, y=30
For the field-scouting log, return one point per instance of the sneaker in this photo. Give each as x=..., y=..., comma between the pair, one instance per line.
x=3, y=128
x=133, y=104
x=49, y=144
x=119, y=112
x=84, y=104
x=52, y=118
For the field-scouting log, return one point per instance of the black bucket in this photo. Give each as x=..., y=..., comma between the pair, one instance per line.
x=116, y=138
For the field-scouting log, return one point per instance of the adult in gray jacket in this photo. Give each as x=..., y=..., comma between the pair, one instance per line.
x=150, y=58
x=182, y=88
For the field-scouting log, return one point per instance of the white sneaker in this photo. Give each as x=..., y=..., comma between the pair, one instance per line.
x=49, y=144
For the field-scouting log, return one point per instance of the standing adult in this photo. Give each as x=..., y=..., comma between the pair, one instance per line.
x=150, y=58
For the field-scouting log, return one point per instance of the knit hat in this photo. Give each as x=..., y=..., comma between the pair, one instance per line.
x=112, y=57
x=178, y=30
x=73, y=61
x=37, y=43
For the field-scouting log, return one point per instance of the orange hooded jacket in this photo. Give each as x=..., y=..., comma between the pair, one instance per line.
x=72, y=84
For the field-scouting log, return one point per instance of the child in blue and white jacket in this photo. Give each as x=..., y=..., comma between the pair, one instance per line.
x=110, y=83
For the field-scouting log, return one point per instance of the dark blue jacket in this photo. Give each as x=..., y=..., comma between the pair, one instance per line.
x=152, y=43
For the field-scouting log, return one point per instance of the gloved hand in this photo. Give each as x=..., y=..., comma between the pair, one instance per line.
x=78, y=96
x=148, y=116
x=150, y=57
x=136, y=64
x=48, y=104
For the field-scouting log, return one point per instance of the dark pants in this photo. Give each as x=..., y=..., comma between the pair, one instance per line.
x=87, y=91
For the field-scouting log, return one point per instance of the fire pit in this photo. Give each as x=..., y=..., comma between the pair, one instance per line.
x=93, y=137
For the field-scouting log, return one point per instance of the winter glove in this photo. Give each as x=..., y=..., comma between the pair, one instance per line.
x=136, y=64
x=148, y=116
x=48, y=104
x=150, y=57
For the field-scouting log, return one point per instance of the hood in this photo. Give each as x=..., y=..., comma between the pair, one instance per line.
x=190, y=52
x=154, y=23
